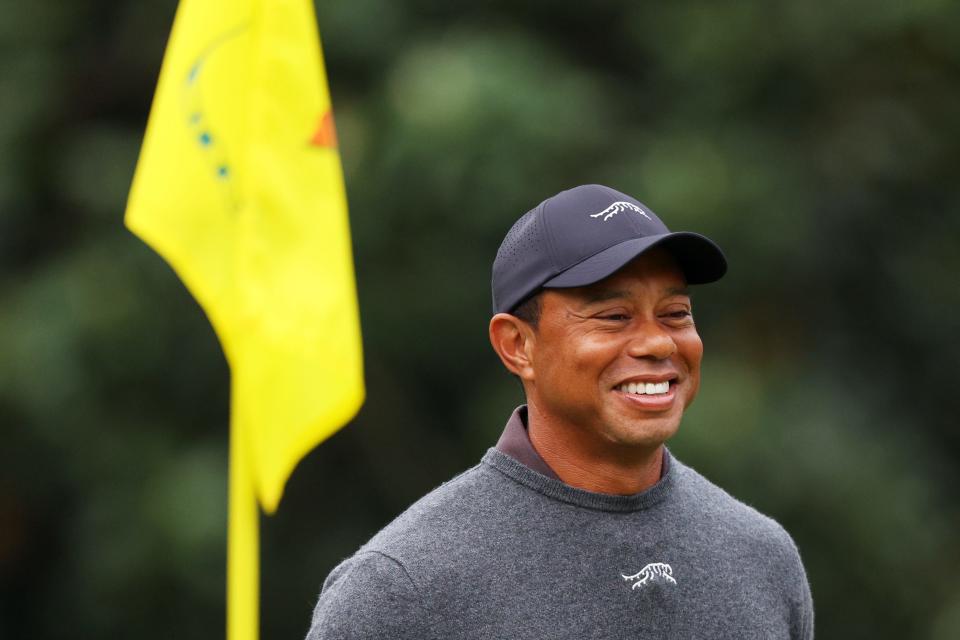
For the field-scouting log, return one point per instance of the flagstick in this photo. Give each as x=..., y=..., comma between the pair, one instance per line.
x=243, y=553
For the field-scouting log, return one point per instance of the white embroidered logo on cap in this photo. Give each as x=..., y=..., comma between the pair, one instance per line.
x=616, y=208
x=651, y=573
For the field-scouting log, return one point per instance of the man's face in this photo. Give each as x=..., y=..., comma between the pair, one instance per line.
x=595, y=345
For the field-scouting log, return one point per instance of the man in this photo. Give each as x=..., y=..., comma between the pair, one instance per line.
x=579, y=523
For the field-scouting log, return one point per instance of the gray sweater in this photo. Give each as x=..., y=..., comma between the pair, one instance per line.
x=502, y=551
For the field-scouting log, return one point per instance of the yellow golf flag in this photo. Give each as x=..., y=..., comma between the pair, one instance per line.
x=239, y=187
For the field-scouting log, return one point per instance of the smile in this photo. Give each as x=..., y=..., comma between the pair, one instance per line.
x=645, y=388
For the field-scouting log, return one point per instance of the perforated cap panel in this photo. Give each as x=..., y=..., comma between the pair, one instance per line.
x=522, y=254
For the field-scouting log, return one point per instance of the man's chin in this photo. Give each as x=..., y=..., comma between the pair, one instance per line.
x=646, y=434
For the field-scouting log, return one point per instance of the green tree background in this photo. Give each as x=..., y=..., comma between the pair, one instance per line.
x=817, y=142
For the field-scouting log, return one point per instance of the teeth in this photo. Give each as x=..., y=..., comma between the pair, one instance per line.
x=648, y=388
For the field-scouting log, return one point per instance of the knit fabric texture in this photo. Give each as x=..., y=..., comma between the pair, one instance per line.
x=502, y=551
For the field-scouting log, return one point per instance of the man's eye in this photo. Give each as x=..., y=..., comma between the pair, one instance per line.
x=680, y=315
x=616, y=317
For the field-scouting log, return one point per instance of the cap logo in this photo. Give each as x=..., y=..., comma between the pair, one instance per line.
x=616, y=208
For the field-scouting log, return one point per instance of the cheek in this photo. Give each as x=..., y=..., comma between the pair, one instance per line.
x=690, y=348
x=595, y=358
x=576, y=363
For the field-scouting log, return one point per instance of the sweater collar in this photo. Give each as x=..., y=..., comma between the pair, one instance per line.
x=516, y=458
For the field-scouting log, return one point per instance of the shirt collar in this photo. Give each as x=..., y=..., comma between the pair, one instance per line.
x=515, y=442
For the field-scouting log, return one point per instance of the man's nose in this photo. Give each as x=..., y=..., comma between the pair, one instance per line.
x=650, y=340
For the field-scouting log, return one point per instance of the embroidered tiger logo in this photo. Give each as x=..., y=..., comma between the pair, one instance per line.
x=651, y=573
x=616, y=208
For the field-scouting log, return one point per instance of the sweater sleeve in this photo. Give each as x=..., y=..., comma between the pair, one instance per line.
x=806, y=611
x=803, y=600
x=368, y=596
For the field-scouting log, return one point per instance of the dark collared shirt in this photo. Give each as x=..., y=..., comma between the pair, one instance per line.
x=515, y=442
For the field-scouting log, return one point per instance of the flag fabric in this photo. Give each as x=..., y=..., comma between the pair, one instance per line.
x=239, y=187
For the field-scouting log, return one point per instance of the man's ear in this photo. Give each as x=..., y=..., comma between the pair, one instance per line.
x=513, y=340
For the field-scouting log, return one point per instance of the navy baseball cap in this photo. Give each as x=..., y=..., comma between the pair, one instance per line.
x=581, y=236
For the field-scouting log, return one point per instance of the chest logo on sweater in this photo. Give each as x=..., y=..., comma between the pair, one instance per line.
x=653, y=572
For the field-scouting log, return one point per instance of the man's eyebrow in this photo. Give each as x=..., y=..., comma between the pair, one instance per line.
x=602, y=295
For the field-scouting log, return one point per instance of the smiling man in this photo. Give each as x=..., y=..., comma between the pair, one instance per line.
x=608, y=369
x=579, y=523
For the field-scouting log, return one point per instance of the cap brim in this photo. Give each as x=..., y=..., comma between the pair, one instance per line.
x=700, y=258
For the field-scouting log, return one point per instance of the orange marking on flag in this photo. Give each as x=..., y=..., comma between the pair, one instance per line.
x=326, y=135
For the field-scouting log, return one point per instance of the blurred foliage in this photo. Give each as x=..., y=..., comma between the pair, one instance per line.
x=816, y=141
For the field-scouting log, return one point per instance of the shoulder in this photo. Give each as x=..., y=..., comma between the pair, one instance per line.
x=368, y=596
x=743, y=540
x=734, y=522
x=378, y=592
x=453, y=510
